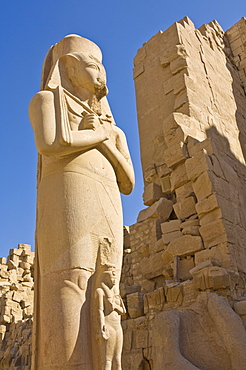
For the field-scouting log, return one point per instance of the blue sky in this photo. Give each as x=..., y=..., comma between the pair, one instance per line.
x=120, y=27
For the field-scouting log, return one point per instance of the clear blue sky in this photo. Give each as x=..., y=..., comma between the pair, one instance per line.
x=120, y=27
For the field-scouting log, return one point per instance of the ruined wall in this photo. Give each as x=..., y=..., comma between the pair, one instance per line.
x=16, y=308
x=185, y=258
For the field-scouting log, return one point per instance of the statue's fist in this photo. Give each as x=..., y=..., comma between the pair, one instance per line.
x=90, y=121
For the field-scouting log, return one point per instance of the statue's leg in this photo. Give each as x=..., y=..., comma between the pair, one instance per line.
x=64, y=337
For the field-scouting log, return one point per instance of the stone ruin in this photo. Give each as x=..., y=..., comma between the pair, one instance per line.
x=184, y=269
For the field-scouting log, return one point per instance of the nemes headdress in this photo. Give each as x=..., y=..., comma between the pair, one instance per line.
x=68, y=45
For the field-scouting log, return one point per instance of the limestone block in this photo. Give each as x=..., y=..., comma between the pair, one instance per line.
x=191, y=230
x=195, y=166
x=161, y=209
x=165, y=184
x=213, y=233
x=140, y=338
x=127, y=340
x=128, y=289
x=163, y=170
x=12, y=265
x=218, y=255
x=185, y=208
x=175, y=154
x=154, y=301
x=133, y=359
x=207, y=205
x=25, y=247
x=167, y=258
x=178, y=177
x=25, y=265
x=174, y=293
x=135, y=304
x=184, y=191
x=206, y=145
x=170, y=226
x=173, y=128
x=2, y=261
x=185, y=245
x=202, y=186
x=150, y=173
x=159, y=245
x=152, y=193
x=167, y=238
x=178, y=65
x=240, y=308
x=214, y=215
x=211, y=277
x=152, y=266
x=15, y=251
x=184, y=267
x=147, y=286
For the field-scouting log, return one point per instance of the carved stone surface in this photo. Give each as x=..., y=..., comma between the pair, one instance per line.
x=83, y=166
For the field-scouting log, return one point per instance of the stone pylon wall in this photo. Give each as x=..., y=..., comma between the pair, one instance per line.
x=185, y=258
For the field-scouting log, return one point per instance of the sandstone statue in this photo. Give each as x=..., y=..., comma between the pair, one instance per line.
x=83, y=165
x=109, y=306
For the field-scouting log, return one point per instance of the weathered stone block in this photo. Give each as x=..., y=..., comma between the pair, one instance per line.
x=184, y=267
x=152, y=193
x=167, y=238
x=175, y=154
x=170, y=226
x=212, y=277
x=195, y=166
x=185, y=208
x=140, y=338
x=154, y=301
x=218, y=255
x=161, y=209
x=165, y=184
x=202, y=186
x=135, y=305
x=213, y=233
x=207, y=205
x=178, y=177
x=185, y=245
x=184, y=191
x=174, y=293
x=152, y=266
x=240, y=308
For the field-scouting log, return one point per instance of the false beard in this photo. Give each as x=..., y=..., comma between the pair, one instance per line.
x=95, y=101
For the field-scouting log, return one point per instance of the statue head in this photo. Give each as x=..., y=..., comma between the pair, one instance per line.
x=77, y=61
x=107, y=275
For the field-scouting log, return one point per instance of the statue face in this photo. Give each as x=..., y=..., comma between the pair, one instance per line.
x=90, y=75
x=110, y=277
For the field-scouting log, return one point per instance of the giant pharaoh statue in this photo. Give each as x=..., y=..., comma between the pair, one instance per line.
x=83, y=165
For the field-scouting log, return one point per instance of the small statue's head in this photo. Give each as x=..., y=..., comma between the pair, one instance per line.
x=109, y=276
x=77, y=60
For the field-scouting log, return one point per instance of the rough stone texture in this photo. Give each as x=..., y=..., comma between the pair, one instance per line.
x=190, y=83
x=16, y=308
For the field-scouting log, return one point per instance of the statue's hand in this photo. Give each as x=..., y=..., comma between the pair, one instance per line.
x=90, y=121
x=105, y=333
